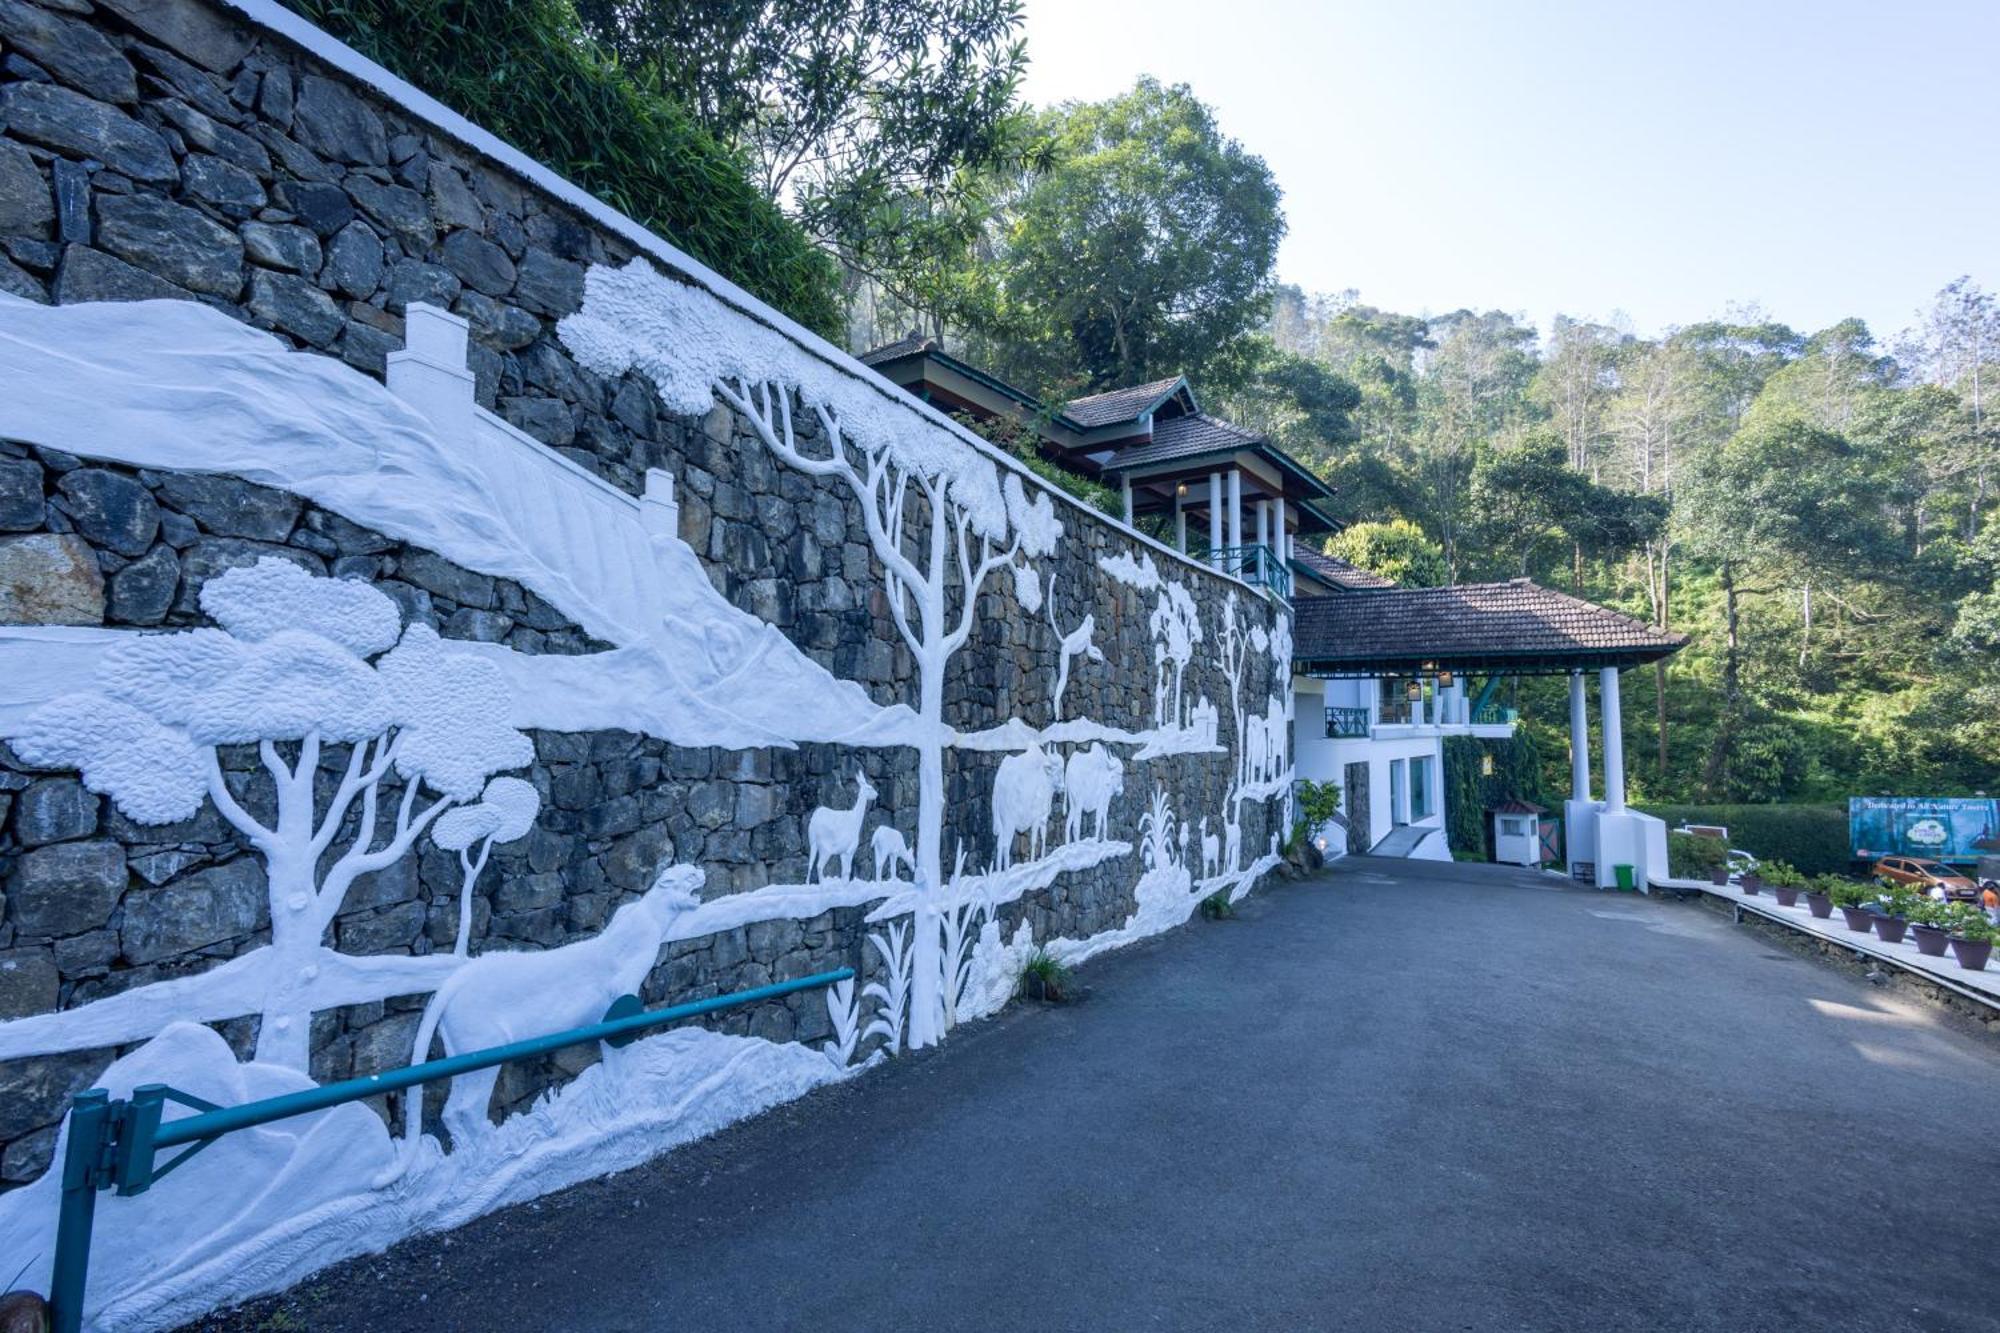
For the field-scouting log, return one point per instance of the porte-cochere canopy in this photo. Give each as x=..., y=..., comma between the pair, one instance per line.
x=1516, y=628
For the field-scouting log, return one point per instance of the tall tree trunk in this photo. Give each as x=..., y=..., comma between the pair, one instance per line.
x=1805, y=616
x=1717, y=767
x=1660, y=669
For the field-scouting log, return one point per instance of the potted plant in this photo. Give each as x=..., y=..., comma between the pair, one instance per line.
x=1972, y=937
x=1785, y=882
x=1718, y=875
x=1853, y=901
x=1930, y=926
x=1892, y=912
x=1751, y=880
x=1819, y=895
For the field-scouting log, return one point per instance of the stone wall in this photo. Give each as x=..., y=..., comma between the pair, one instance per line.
x=169, y=149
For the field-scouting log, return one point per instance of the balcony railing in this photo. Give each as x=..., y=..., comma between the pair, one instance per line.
x=1346, y=723
x=1255, y=565
x=1493, y=715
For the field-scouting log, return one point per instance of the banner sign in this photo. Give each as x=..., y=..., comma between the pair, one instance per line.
x=1949, y=828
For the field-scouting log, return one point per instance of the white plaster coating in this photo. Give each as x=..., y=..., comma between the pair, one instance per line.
x=976, y=523
x=167, y=700
x=834, y=834
x=504, y=997
x=1091, y=779
x=1024, y=792
x=264, y=1209
x=123, y=382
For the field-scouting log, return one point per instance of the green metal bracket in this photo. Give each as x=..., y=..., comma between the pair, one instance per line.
x=1486, y=693
x=623, y=1007
x=112, y=1143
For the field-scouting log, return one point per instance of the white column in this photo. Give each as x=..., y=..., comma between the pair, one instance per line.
x=1235, y=507
x=1579, y=740
x=1180, y=521
x=1263, y=522
x=1214, y=518
x=1614, y=739
x=1283, y=538
x=1125, y=485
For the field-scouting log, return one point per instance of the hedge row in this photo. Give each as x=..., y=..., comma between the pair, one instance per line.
x=1813, y=838
x=524, y=70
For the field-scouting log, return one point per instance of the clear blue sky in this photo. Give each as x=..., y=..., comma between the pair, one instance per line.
x=1659, y=160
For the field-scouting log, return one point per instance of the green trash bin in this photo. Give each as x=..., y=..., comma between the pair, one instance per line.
x=1627, y=878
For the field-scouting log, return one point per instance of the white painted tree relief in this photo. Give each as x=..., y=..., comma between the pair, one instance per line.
x=937, y=513
x=289, y=671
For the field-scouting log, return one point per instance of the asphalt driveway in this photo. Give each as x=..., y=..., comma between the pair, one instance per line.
x=1402, y=1095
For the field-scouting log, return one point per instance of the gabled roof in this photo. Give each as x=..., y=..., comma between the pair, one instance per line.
x=1518, y=627
x=1337, y=573
x=1122, y=405
x=1198, y=435
x=1185, y=437
x=910, y=344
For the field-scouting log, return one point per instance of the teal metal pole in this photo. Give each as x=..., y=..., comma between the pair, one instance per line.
x=113, y=1143
x=82, y=1169
x=191, y=1129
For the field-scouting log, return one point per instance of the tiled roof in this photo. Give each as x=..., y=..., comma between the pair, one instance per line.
x=1190, y=436
x=1470, y=626
x=908, y=345
x=1106, y=409
x=1337, y=572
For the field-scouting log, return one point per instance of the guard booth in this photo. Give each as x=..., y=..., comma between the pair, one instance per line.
x=1514, y=833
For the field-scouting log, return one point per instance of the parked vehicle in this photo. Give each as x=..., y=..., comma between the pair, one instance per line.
x=1923, y=874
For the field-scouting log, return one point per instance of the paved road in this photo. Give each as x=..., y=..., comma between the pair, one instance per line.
x=1400, y=1096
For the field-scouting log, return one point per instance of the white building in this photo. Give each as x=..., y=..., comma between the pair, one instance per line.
x=1383, y=675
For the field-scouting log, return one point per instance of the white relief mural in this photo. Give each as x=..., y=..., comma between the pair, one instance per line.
x=1079, y=642
x=891, y=850
x=1024, y=794
x=505, y=997
x=1091, y=778
x=291, y=666
x=937, y=513
x=834, y=833
x=505, y=812
x=298, y=665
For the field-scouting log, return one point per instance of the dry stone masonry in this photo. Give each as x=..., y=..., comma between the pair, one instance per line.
x=178, y=150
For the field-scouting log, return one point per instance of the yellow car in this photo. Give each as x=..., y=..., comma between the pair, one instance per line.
x=1923, y=875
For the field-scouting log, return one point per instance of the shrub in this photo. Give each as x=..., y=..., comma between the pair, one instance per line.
x=1971, y=924
x=1469, y=792
x=1217, y=907
x=1779, y=874
x=525, y=71
x=1843, y=891
x=1044, y=977
x=1811, y=837
x=1691, y=856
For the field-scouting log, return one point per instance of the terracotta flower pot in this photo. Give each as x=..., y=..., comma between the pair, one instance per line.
x=1719, y=877
x=1859, y=918
x=1819, y=905
x=1930, y=939
x=1972, y=954
x=1787, y=897
x=1890, y=928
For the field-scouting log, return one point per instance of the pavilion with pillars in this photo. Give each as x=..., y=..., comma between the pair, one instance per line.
x=1397, y=669
x=1196, y=475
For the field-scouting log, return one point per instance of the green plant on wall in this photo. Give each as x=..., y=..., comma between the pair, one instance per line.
x=525, y=71
x=1470, y=791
